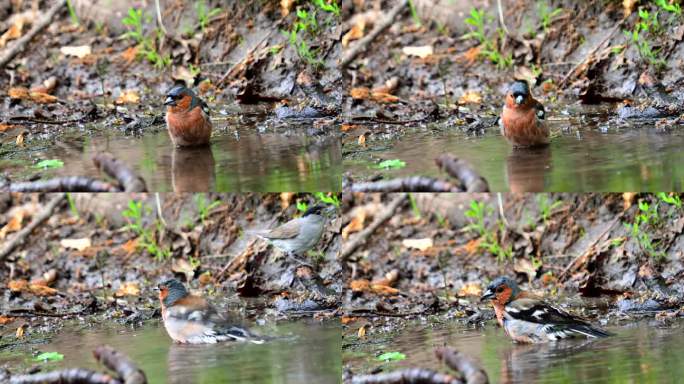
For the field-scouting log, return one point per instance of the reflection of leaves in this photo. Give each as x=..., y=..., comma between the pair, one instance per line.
x=51, y=163
x=391, y=356
x=49, y=356
x=391, y=164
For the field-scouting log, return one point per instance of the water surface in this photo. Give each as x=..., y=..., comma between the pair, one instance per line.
x=638, y=353
x=308, y=352
x=586, y=154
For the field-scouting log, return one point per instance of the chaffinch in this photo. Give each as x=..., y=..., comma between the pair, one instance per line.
x=297, y=235
x=528, y=319
x=190, y=319
x=187, y=118
x=522, y=119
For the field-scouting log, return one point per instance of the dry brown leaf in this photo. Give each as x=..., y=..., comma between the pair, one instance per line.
x=343, y=128
x=347, y=319
x=5, y=320
x=355, y=33
x=20, y=93
x=472, y=54
x=14, y=32
x=79, y=51
x=419, y=244
x=362, y=140
x=470, y=289
x=382, y=97
x=17, y=285
x=42, y=290
x=20, y=139
x=628, y=7
x=6, y=127
x=360, y=285
x=20, y=331
x=384, y=290
x=130, y=54
x=628, y=200
x=43, y=98
x=13, y=225
x=470, y=97
x=286, y=6
x=130, y=246
x=184, y=267
x=77, y=244
x=129, y=288
x=205, y=278
x=355, y=225
x=205, y=86
x=473, y=245
x=422, y=51
x=362, y=332
x=389, y=279
x=360, y=93
x=286, y=199
x=128, y=97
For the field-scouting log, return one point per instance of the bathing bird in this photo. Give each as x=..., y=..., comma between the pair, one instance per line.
x=522, y=120
x=297, y=235
x=191, y=319
x=187, y=118
x=528, y=319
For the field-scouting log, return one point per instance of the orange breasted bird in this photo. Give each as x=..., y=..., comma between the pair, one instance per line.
x=191, y=319
x=522, y=119
x=187, y=118
x=528, y=319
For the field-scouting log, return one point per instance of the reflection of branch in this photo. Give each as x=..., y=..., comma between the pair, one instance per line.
x=361, y=238
x=129, y=181
x=463, y=172
x=410, y=375
x=408, y=184
x=127, y=372
x=37, y=220
x=471, y=369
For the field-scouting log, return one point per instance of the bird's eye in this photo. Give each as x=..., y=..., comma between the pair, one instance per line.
x=500, y=289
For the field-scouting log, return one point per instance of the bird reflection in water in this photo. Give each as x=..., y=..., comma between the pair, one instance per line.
x=527, y=168
x=193, y=169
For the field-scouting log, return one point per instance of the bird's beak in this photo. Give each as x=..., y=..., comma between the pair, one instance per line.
x=489, y=294
x=169, y=101
x=519, y=99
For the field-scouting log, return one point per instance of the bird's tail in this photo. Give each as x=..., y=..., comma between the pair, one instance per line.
x=241, y=334
x=589, y=331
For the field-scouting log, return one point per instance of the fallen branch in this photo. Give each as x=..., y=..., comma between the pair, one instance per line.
x=20, y=44
x=19, y=238
x=463, y=172
x=407, y=376
x=471, y=369
x=129, y=181
x=408, y=184
x=127, y=370
x=363, y=43
x=361, y=238
x=63, y=184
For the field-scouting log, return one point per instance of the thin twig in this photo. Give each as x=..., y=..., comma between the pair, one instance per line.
x=361, y=238
x=501, y=18
x=159, y=17
x=21, y=43
x=43, y=215
x=159, y=209
x=362, y=44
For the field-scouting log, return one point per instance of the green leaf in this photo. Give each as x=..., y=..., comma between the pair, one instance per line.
x=391, y=164
x=391, y=356
x=52, y=163
x=49, y=356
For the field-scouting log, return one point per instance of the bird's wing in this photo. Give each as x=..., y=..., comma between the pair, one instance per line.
x=205, y=108
x=538, y=311
x=288, y=230
x=539, y=110
x=193, y=308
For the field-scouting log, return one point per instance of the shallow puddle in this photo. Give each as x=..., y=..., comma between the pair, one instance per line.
x=305, y=352
x=637, y=353
x=241, y=159
x=585, y=155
